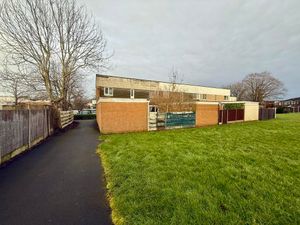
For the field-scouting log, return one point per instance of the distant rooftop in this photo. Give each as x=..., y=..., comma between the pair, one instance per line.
x=5, y=94
x=139, y=79
x=293, y=99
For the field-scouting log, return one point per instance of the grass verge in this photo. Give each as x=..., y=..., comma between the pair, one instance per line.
x=246, y=173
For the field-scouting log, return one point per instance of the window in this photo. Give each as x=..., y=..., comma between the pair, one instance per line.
x=226, y=97
x=131, y=93
x=153, y=108
x=108, y=91
x=204, y=96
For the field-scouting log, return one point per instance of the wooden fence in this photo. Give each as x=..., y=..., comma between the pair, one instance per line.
x=65, y=118
x=267, y=113
x=231, y=116
x=22, y=129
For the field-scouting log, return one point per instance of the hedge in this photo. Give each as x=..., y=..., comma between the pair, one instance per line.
x=84, y=117
x=234, y=106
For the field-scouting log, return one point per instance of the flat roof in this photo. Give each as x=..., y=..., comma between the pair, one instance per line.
x=132, y=78
x=292, y=99
x=133, y=100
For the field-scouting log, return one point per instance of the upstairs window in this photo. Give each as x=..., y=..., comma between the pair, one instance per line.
x=108, y=91
x=131, y=93
x=226, y=97
x=201, y=96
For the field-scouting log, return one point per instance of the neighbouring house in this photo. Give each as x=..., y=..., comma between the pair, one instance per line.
x=129, y=104
x=92, y=104
x=6, y=99
x=132, y=88
x=270, y=103
x=291, y=102
x=290, y=105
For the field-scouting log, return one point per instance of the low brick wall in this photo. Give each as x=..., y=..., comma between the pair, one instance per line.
x=207, y=114
x=121, y=117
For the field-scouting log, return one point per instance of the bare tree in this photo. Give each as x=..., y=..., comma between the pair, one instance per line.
x=12, y=82
x=258, y=87
x=76, y=95
x=173, y=99
x=78, y=100
x=27, y=35
x=81, y=43
x=262, y=86
x=56, y=38
x=237, y=90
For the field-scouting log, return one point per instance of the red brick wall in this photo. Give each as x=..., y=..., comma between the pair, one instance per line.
x=206, y=115
x=98, y=115
x=121, y=117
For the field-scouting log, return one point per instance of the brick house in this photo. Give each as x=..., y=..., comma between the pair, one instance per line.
x=128, y=104
x=290, y=105
x=132, y=88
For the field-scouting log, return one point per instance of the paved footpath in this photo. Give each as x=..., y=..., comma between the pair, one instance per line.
x=58, y=182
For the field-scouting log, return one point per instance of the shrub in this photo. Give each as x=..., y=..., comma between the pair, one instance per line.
x=84, y=117
x=280, y=110
x=234, y=106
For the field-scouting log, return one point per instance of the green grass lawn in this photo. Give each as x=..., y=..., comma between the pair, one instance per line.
x=246, y=173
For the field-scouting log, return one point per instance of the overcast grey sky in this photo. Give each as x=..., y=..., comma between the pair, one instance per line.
x=210, y=42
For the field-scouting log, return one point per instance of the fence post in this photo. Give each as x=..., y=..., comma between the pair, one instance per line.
x=44, y=123
x=227, y=115
x=49, y=120
x=29, y=127
x=0, y=140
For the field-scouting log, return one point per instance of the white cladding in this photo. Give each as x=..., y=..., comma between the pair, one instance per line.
x=124, y=82
x=186, y=88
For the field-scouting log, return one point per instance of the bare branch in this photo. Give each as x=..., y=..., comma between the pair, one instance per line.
x=54, y=38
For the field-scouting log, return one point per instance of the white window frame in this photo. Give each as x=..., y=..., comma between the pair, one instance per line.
x=132, y=93
x=204, y=96
x=226, y=97
x=108, y=91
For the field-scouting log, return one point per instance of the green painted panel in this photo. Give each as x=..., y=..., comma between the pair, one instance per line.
x=180, y=119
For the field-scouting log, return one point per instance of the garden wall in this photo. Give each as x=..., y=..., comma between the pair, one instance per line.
x=122, y=115
x=207, y=114
x=116, y=115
